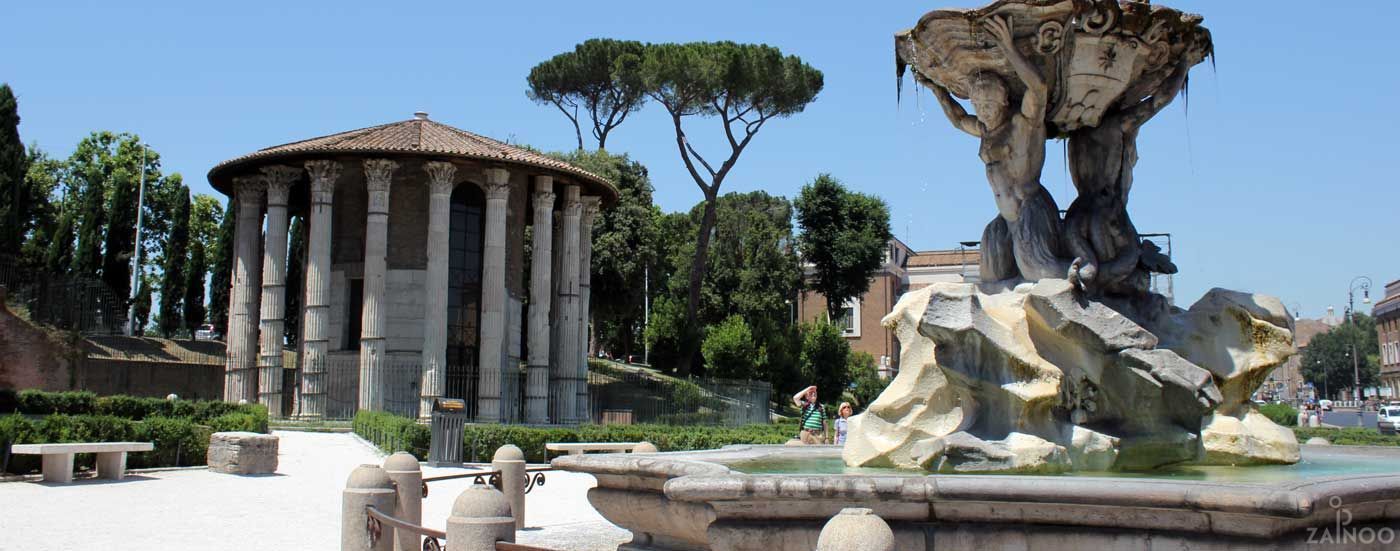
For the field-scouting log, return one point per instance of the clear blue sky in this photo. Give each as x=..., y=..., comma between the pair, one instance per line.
x=1272, y=182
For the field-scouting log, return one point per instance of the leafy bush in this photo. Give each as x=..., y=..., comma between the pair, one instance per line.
x=178, y=442
x=1283, y=414
x=38, y=402
x=729, y=349
x=825, y=355
x=1355, y=436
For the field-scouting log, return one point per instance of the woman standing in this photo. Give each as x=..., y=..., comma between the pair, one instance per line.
x=842, y=413
x=813, y=423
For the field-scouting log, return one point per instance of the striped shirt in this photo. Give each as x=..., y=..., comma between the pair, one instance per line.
x=811, y=417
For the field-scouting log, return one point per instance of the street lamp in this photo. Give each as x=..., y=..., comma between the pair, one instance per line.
x=131, y=328
x=1363, y=283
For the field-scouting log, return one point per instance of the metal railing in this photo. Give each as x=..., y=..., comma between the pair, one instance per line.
x=433, y=540
x=83, y=304
x=617, y=396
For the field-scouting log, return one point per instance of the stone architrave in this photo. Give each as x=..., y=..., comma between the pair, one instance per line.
x=566, y=321
x=440, y=184
x=274, y=284
x=585, y=270
x=316, y=325
x=537, y=372
x=493, y=297
x=240, y=377
x=378, y=176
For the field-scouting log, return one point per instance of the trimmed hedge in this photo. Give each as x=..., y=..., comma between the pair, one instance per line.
x=1354, y=436
x=394, y=433
x=178, y=442
x=218, y=414
x=1282, y=414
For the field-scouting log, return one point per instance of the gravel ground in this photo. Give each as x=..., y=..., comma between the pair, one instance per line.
x=296, y=508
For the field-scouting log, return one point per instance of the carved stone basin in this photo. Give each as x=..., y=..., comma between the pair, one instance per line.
x=705, y=500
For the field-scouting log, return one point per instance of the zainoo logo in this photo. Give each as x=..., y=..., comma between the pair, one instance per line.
x=1342, y=533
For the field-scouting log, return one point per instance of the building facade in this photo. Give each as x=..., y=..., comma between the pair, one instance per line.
x=416, y=255
x=1286, y=383
x=903, y=270
x=1387, y=314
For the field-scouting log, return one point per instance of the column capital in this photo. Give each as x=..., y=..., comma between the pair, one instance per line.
x=590, y=207
x=440, y=176
x=279, y=180
x=544, y=199
x=378, y=174
x=324, y=174
x=249, y=190
x=497, y=185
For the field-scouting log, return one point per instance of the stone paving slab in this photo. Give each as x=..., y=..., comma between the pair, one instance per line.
x=296, y=508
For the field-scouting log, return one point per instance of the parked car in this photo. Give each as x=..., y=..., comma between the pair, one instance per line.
x=206, y=332
x=1388, y=420
x=1326, y=405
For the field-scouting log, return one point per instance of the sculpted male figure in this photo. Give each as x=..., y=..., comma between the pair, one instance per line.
x=1101, y=161
x=1025, y=238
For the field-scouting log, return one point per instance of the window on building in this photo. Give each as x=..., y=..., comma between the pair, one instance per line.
x=353, y=304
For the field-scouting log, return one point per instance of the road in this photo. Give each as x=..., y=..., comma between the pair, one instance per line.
x=1346, y=418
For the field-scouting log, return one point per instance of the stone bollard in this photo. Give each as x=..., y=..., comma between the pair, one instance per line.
x=644, y=447
x=856, y=529
x=1318, y=441
x=511, y=462
x=480, y=518
x=367, y=486
x=403, y=469
x=1303, y=418
x=1313, y=421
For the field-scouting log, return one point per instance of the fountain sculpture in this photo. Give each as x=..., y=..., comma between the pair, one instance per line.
x=1060, y=361
x=1062, y=358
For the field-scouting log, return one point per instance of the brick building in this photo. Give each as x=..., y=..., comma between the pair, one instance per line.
x=1286, y=383
x=904, y=270
x=1387, y=314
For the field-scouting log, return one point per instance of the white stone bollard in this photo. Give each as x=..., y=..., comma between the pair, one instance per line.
x=511, y=462
x=1302, y=418
x=856, y=529
x=644, y=447
x=407, y=476
x=1313, y=421
x=367, y=486
x=480, y=518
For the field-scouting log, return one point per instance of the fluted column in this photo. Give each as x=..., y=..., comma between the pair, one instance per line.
x=493, y=297
x=566, y=370
x=316, y=322
x=556, y=397
x=537, y=374
x=378, y=174
x=585, y=271
x=279, y=181
x=240, y=368
x=440, y=184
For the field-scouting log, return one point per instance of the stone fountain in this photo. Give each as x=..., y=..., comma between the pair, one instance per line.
x=1110, y=418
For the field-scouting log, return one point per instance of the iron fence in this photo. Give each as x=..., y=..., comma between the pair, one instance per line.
x=625, y=397
x=400, y=392
x=83, y=304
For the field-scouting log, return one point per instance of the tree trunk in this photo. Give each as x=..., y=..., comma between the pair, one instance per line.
x=697, y=278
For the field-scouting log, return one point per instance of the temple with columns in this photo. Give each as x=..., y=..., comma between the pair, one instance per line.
x=415, y=237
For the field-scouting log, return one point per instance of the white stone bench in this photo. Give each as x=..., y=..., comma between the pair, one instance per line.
x=58, y=458
x=577, y=448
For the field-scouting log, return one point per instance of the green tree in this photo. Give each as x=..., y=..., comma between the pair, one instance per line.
x=173, y=276
x=120, y=239
x=220, y=270
x=193, y=301
x=753, y=270
x=844, y=236
x=667, y=334
x=206, y=216
x=87, y=258
x=142, y=307
x=43, y=180
x=14, y=165
x=106, y=167
x=593, y=77
x=624, y=245
x=825, y=359
x=730, y=351
x=1327, y=362
x=58, y=256
x=866, y=384
x=296, y=274
x=743, y=86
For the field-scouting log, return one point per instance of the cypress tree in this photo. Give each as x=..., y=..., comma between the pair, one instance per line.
x=194, y=287
x=173, y=277
x=14, y=164
x=143, y=303
x=58, y=257
x=296, y=271
x=121, y=234
x=220, y=281
x=87, y=260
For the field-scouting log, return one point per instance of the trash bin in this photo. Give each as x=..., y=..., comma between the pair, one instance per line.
x=449, y=417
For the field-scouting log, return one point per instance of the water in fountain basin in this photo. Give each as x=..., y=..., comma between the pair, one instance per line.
x=1317, y=462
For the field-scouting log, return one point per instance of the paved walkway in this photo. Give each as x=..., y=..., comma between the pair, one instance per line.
x=297, y=508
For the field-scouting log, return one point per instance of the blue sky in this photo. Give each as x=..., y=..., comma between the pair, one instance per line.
x=1270, y=182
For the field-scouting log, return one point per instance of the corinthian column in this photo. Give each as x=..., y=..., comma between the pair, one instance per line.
x=274, y=283
x=378, y=174
x=566, y=368
x=316, y=323
x=240, y=371
x=440, y=184
x=585, y=271
x=537, y=374
x=493, y=297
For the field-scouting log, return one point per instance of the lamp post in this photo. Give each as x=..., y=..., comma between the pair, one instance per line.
x=1364, y=284
x=131, y=329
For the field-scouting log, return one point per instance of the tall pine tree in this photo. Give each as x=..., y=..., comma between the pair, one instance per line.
x=14, y=197
x=120, y=239
x=220, y=280
x=296, y=272
x=194, y=287
x=87, y=259
x=58, y=258
x=172, y=279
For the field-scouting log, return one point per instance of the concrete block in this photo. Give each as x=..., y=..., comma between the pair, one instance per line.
x=242, y=453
